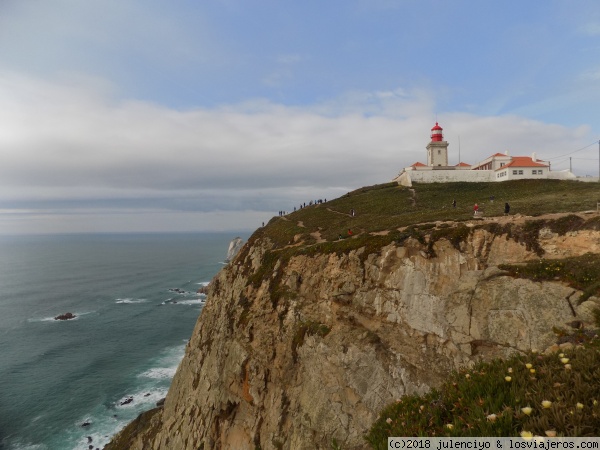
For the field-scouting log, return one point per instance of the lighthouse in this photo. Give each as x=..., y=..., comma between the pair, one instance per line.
x=437, y=149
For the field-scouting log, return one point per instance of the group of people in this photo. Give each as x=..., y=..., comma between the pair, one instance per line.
x=303, y=205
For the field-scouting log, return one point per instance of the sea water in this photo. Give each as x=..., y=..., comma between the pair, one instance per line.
x=135, y=299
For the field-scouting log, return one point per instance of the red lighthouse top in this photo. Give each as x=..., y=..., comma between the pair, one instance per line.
x=436, y=133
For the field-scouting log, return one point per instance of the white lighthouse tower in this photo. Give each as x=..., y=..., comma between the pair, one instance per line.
x=437, y=149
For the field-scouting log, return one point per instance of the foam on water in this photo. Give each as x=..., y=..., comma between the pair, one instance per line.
x=19, y=445
x=195, y=301
x=160, y=373
x=130, y=301
x=146, y=390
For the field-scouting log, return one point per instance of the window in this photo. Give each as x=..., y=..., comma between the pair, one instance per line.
x=515, y=172
x=501, y=164
x=439, y=152
x=520, y=172
x=534, y=172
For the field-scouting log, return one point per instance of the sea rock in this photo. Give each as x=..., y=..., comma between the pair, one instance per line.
x=234, y=247
x=179, y=291
x=203, y=289
x=65, y=316
x=127, y=401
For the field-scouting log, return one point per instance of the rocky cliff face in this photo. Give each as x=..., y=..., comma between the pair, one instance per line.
x=301, y=351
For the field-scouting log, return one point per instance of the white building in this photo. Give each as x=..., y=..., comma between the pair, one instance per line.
x=497, y=167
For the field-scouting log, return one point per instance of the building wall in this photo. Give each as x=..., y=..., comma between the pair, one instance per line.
x=447, y=176
x=437, y=153
x=443, y=176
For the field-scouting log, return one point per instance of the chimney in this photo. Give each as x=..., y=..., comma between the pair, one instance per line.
x=533, y=157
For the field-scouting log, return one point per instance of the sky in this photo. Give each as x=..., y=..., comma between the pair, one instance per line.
x=184, y=116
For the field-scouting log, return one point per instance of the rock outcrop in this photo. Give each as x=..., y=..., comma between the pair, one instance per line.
x=234, y=247
x=65, y=316
x=295, y=352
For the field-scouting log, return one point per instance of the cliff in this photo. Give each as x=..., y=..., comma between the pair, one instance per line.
x=303, y=343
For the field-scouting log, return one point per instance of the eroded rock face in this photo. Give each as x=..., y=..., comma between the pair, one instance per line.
x=234, y=247
x=315, y=349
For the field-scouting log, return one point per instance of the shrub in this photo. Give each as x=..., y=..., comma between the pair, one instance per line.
x=537, y=393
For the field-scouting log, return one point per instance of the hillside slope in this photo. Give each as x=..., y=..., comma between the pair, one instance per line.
x=306, y=337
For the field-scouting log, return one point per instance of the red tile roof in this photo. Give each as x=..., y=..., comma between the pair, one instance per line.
x=418, y=164
x=523, y=161
x=462, y=164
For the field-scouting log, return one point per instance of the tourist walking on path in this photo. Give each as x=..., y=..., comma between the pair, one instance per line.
x=475, y=209
x=454, y=203
x=506, y=209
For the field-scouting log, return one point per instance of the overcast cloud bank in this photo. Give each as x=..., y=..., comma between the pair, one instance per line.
x=147, y=116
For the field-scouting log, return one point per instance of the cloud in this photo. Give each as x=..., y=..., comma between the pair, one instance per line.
x=591, y=75
x=71, y=145
x=590, y=29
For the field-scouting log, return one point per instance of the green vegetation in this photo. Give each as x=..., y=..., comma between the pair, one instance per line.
x=581, y=273
x=538, y=394
x=388, y=207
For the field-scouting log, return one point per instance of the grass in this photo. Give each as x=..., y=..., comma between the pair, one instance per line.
x=388, y=207
x=539, y=394
x=581, y=272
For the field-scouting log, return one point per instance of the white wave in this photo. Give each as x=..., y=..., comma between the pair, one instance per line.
x=23, y=446
x=204, y=283
x=194, y=301
x=152, y=386
x=160, y=373
x=130, y=301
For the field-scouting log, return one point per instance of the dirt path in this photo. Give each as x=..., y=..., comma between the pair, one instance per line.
x=516, y=219
x=339, y=212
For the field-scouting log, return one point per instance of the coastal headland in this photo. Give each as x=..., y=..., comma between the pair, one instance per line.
x=325, y=316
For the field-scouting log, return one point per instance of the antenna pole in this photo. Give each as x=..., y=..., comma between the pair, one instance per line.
x=570, y=165
x=459, y=148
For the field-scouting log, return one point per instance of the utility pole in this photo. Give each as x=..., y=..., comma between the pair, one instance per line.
x=570, y=164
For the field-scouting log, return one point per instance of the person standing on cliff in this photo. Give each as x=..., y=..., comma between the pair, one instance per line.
x=506, y=209
x=475, y=209
x=454, y=203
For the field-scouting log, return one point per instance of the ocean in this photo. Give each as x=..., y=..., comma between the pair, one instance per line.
x=135, y=301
